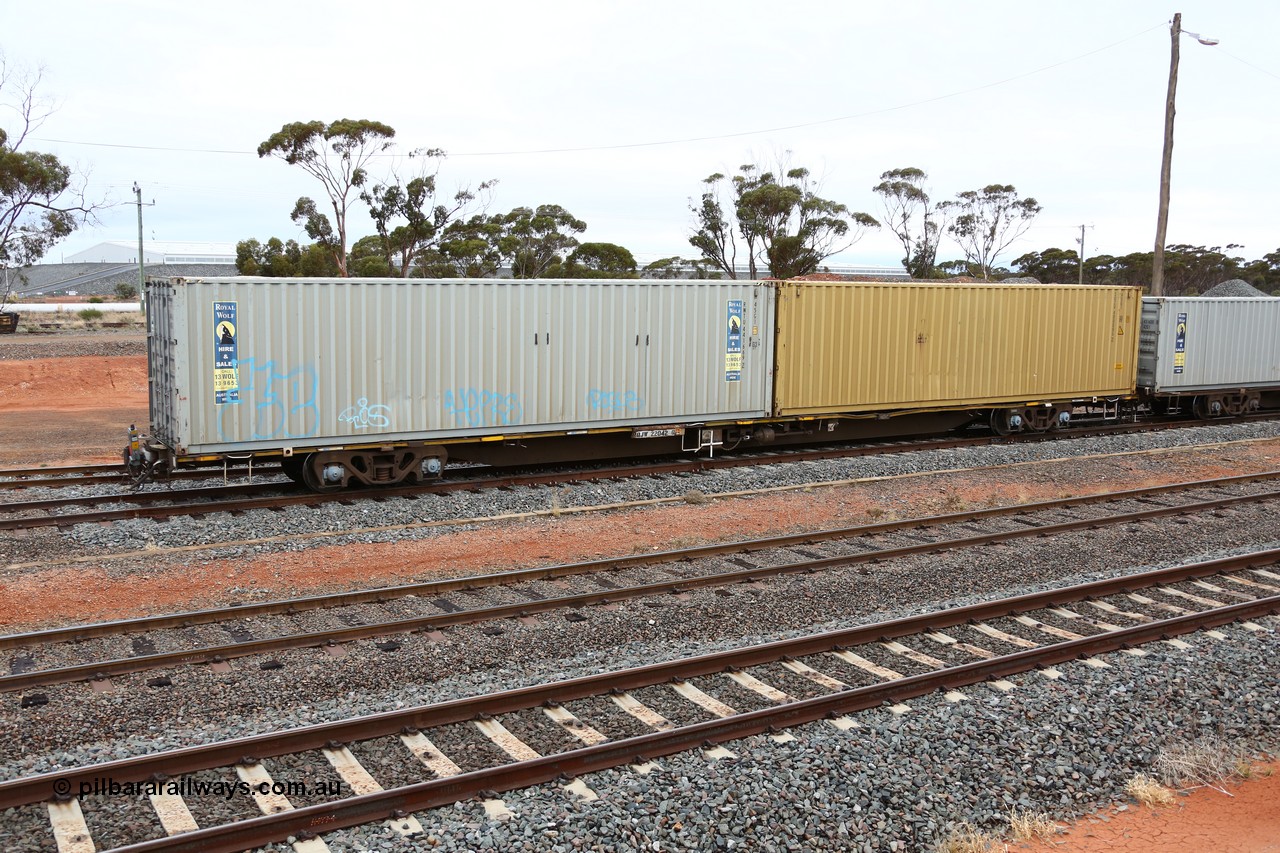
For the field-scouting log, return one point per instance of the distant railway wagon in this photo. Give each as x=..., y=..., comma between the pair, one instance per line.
x=373, y=380
x=1021, y=352
x=1219, y=356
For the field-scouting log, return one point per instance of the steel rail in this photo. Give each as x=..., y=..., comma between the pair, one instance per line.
x=142, y=497
x=86, y=468
x=304, y=498
x=439, y=487
x=396, y=802
x=213, y=654
x=177, y=762
x=117, y=477
x=14, y=477
x=380, y=595
x=770, y=456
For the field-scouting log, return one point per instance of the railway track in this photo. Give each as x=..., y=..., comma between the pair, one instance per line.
x=483, y=745
x=112, y=475
x=97, y=652
x=275, y=495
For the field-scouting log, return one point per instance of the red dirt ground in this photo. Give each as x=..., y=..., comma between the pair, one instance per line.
x=66, y=410
x=1244, y=820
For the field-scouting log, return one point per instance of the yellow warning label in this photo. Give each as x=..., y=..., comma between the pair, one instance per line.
x=226, y=378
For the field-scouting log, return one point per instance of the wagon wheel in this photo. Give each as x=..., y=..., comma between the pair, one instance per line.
x=312, y=480
x=1201, y=408
x=1000, y=421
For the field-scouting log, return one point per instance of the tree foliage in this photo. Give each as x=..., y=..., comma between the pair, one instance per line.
x=42, y=200
x=531, y=240
x=335, y=154
x=1052, y=266
x=989, y=220
x=408, y=218
x=781, y=221
x=675, y=266
x=367, y=259
x=284, y=259
x=599, y=260
x=1189, y=270
x=466, y=249
x=916, y=220
x=959, y=267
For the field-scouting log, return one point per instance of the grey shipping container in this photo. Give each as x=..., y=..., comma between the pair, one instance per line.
x=1193, y=344
x=244, y=364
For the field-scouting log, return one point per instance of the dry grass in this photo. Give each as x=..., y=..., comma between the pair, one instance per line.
x=1249, y=770
x=1148, y=791
x=1027, y=826
x=964, y=838
x=694, y=496
x=1203, y=763
x=66, y=321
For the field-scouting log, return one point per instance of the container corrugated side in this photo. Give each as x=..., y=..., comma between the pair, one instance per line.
x=164, y=399
x=322, y=362
x=845, y=347
x=1223, y=344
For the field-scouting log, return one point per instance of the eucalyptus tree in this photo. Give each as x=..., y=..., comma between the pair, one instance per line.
x=989, y=220
x=336, y=154
x=600, y=260
x=409, y=219
x=778, y=219
x=531, y=240
x=42, y=199
x=468, y=248
x=916, y=220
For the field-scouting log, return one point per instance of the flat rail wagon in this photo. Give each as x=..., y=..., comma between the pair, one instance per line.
x=376, y=380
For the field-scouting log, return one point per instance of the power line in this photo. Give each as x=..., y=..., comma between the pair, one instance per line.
x=1243, y=62
x=681, y=141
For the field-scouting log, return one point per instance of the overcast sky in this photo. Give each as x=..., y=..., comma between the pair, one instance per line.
x=618, y=110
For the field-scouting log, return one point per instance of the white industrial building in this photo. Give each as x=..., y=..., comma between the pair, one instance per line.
x=155, y=252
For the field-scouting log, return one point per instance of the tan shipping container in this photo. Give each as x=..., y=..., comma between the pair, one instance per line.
x=875, y=347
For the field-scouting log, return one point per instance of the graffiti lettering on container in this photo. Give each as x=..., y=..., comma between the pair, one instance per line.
x=614, y=401
x=284, y=403
x=364, y=416
x=477, y=407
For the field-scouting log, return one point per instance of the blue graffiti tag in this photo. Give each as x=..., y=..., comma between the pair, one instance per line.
x=614, y=401
x=477, y=407
x=363, y=416
x=286, y=402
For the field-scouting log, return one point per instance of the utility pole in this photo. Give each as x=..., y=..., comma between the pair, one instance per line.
x=142, y=278
x=1082, y=254
x=1162, y=218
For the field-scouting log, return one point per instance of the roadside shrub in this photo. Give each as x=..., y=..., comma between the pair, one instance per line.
x=96, y=300
x=90, y=314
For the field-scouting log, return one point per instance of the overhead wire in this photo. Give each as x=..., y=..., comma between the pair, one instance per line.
x=682, y=140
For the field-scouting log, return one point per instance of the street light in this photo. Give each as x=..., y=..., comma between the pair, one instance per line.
x=1162, y=219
